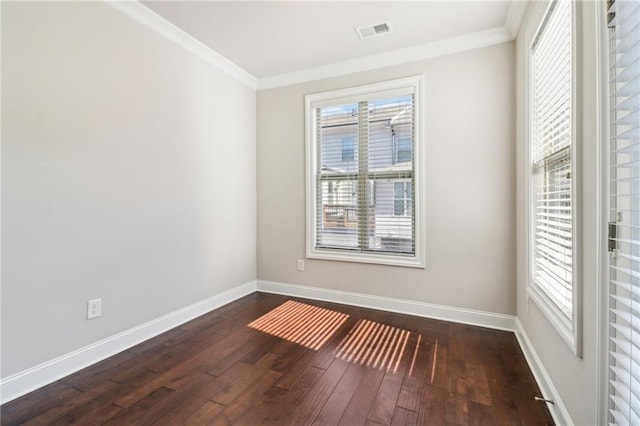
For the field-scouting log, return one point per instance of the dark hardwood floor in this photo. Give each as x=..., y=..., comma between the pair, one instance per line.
x=306, y=363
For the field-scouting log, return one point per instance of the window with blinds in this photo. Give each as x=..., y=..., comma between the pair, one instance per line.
x=362, y=169
x=624, y=203
x=552, y=204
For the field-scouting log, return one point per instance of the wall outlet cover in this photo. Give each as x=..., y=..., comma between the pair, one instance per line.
x=94, y=308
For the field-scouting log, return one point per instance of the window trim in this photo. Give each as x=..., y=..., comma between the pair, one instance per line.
x=360, y=93
x=569, y=330
x=602, y=201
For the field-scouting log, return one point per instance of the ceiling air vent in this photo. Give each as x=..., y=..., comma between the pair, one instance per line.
x=374, y=30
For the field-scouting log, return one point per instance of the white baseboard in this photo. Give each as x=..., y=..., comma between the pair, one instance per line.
x=446, y=313
x=558, y=410
x=33, y=378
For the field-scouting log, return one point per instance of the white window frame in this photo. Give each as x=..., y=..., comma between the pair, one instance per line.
x=570, y=330
x=602, y=279
x=313, y=101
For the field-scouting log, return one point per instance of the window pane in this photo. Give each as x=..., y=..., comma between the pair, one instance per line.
x=350, y=216
x=392, y=229
x=390, y=132
x=338, y=224
x=360, y=151
x=551, y=151
x=553, y=242
x=339, y=130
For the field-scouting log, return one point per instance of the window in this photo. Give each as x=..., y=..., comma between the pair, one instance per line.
x=552, y=237
x=403, y=150
x=623, y=302
x=347, y=149
x=402, y=198
x=363, y=174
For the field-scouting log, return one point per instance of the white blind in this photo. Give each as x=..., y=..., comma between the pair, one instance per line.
x=365, y=175
x=624, y=130
x=551, y=155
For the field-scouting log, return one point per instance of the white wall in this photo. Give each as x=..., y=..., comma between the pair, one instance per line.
x=470, y=189
x=574, y=378
x=129, y=175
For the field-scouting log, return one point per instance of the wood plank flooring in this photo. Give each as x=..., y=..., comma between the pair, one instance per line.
x=349, y=366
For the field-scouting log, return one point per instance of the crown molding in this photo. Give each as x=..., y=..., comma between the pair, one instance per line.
x=382, y=60
x=147, y=17
x=515, y=15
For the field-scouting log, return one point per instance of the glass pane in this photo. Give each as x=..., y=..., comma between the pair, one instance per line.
x=391, y=223
x=375, y=214
x=338, y=131
x=338, y=215
x=390, y=133
x=551, y=152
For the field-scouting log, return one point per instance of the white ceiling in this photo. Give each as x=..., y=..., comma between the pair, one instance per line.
x=269, y=38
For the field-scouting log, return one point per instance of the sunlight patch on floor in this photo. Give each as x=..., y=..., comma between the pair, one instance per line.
x=300, y=323
x=374, y=345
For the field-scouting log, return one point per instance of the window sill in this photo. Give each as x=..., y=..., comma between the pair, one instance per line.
x=379, y=259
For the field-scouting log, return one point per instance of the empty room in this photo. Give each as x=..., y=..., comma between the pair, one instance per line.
x=320, y=212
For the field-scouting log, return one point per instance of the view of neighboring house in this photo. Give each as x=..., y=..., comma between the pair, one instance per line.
x=368, y=144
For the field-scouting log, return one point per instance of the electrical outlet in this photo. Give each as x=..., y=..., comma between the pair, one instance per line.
x=300, y=264
x=94, y=308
